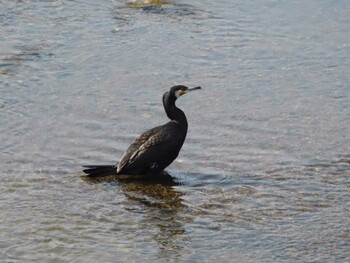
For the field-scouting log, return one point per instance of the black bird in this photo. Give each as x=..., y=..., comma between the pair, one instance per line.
x=156, y=148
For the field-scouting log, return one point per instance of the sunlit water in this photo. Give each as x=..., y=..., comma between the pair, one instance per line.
x=263, y=175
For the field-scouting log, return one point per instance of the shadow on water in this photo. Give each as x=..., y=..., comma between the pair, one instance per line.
x=158, y=202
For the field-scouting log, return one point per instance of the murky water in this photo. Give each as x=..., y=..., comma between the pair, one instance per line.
x=264, y=173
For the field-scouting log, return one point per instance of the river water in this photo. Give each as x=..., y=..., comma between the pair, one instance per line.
x=264, y=175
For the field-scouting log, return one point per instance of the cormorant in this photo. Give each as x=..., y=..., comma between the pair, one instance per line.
x=154, y=149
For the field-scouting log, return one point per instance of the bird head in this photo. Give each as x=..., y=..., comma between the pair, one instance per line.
x=179, y=90
x=171, y=96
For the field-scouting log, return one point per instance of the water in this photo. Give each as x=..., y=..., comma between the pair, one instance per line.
x=263, y=175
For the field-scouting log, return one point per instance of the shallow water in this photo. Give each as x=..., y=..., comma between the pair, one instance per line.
x=263, y=175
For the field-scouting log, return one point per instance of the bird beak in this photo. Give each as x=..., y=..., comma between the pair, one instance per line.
x=182, y=92
x=192, y=89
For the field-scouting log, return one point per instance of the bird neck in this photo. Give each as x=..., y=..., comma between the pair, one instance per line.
x=176, y=114
x=173, y=112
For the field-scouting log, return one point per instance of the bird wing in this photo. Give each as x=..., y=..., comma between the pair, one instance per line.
x=147, y=145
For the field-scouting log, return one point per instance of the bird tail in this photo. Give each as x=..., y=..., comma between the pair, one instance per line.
x=99, y=170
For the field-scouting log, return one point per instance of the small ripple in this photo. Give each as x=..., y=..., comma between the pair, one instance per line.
x=125, y=14
x=202, y=180
x=11, y=63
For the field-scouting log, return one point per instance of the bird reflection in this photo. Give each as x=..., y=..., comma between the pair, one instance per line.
x=160, y=203
x=162, y=178
x=155, y=190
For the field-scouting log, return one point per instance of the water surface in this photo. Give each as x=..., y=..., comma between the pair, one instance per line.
x=263, y=175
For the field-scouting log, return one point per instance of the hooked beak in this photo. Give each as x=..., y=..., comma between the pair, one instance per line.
x=195, y=88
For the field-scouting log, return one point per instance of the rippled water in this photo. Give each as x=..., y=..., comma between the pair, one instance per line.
x=263, y=175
